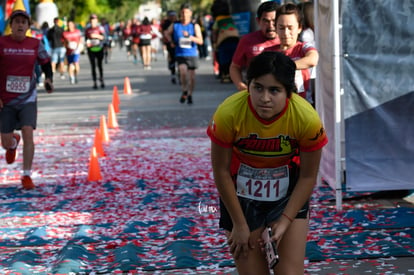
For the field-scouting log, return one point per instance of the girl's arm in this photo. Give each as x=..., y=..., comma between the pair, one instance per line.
x=198, y=38
x=239, y=238
x=309, y=167
x=308, y=61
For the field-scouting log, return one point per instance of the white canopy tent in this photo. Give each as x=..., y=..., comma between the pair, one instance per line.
x=365, y=93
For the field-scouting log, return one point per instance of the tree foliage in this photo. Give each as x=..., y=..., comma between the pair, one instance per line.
x=116, y=10
x=80, y=10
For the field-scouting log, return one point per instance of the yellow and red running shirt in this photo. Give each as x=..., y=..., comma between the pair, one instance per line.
x=265, y=144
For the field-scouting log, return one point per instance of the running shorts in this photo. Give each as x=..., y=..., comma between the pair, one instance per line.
x=190, y=61
x=14, y=117
x=259, y=213
x=73, y=58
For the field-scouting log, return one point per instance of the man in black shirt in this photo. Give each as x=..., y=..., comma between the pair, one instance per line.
x=55, y=37
x=171, y=18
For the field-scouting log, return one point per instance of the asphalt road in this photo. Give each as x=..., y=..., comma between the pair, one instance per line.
x=154, y=103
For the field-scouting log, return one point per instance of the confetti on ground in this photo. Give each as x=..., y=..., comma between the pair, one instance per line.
x=156, y=210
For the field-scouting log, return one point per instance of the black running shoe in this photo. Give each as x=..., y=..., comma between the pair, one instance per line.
x=183, y=97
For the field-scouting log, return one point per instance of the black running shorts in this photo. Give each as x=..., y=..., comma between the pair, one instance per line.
x=190, y=61
x=14, y=117
x=259, y=213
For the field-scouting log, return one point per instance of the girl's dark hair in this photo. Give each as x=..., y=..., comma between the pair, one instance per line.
x=146, y=21
x=276, y=64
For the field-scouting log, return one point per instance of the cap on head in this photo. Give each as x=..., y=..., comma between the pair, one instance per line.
x=19, y=13
x=93, y=16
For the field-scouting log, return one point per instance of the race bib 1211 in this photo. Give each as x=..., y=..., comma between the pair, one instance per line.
x=263, y=184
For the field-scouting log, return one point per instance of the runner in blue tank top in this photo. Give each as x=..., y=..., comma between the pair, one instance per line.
x=185, y=36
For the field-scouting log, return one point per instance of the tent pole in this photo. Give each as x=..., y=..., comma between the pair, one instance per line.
x=338, y=111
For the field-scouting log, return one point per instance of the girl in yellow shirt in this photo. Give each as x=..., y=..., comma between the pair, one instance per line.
x=260, y=137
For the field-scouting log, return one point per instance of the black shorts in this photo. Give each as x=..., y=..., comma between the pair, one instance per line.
x=259, y=213
x=190, y=61
x=14, y=117
x=144, y=42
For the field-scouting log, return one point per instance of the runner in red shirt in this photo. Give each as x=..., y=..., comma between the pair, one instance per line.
x=135, y=39
x=18, y=95
x=305, y=55
x=127, y=37
x=254, y=43
x=72, y=38
x=145, y=36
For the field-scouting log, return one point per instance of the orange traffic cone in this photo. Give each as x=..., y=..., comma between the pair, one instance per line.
x=115, y=99
x=94, y=169
x=98, y=143
x=127, y=86
x=104, y=130
x=112, y=121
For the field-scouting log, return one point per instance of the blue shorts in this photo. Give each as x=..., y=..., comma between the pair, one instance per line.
x=58, y=54
x=14, y=117
x=73, y=58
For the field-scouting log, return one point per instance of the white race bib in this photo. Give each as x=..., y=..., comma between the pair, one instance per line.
x=18, y=84
x=93, y=42
x=73, y=45
x=145, y=36
x=262, y=184
x=185, y=42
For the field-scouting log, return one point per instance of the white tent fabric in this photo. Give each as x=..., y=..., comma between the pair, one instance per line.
x=365, y=93
x=328, y=92
x=378, y=63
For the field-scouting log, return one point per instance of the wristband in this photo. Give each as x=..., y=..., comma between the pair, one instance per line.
x=287, y=217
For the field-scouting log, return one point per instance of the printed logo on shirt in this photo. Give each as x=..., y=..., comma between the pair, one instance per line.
x=267, y=147
x=318, y=134
x=258, y=49
x=23, y=51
